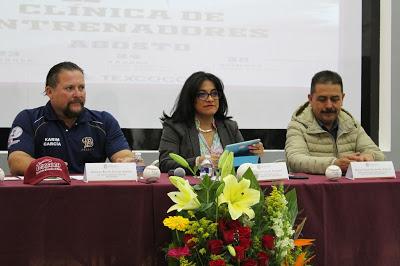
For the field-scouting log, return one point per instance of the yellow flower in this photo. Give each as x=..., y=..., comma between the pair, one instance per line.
x=239, y=197
x=185, y=198
x=176, y=223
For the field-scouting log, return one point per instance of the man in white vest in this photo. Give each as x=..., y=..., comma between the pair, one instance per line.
x=322, y=133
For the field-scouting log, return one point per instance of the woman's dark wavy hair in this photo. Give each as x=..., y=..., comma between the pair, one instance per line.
x=184, y=111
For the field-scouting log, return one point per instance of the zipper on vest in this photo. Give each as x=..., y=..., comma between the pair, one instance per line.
x=335, y=147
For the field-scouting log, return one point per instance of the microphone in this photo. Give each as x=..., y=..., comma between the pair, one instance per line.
x=177, y=172
x=180, y=172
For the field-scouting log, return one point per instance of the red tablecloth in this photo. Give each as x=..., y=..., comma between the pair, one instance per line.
x=120, y=223
x=353, y=222
x=80, y=224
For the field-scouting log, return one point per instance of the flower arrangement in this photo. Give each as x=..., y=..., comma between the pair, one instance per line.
x=229, y=221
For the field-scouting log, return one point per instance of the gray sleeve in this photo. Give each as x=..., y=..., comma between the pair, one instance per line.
x=171, y=142
x=237, y=134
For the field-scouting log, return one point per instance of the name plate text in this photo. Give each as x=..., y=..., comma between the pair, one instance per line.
x=110, y=172
x=383, y=169
x=271, y=171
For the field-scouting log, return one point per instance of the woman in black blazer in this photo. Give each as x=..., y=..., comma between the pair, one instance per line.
x=199, y=124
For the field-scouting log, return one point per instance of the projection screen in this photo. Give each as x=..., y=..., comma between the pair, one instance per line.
x=137, y=54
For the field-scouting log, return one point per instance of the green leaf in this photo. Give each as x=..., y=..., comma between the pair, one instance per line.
x=181, y=161
x=206, y=182
x=227, y=166
x=222, y=159
x=220, y=189
x=291, y=197
x=195, y=169
x=253, y=180
x=197, y=187
x=299, y=228
x=258, y=208
x=205, y=206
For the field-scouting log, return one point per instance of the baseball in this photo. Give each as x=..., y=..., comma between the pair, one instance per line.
x=333, y=172
x=151, y=173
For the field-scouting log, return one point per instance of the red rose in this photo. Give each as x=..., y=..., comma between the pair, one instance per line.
x=244, y=232
x=222, y=225
x=239, y=252
x=249, y=262
x=228, y=236
x=178, y=252
x=263, y=259
x=268, y=241
x=215, y=246
x=245, y=242
x=188, y=243
x=216, y=263
x=234, y=224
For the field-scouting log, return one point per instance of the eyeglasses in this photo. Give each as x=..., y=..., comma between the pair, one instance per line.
x=202, y=95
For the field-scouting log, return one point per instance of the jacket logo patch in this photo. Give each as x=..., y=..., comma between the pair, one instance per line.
x=15, y=133
x=87, y=143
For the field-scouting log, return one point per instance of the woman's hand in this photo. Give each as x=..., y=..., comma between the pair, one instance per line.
x=257, y=149
x=214, y=159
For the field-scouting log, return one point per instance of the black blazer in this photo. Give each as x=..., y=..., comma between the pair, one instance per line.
x=183, y=140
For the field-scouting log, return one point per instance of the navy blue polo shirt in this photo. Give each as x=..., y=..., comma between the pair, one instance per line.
x=94, y=137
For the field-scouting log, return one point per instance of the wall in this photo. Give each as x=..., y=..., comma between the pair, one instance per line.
x=394, y=155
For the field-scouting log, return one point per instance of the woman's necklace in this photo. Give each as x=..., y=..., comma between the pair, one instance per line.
x=205, y=130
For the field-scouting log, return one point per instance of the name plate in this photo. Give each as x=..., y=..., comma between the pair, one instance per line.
x=271, y=171
x=110, y=172
x=370, y=170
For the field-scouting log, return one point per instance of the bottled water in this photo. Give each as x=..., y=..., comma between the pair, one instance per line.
x=206, y=167
x=139, y=164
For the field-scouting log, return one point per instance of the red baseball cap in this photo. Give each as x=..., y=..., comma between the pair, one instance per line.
x=46, y=167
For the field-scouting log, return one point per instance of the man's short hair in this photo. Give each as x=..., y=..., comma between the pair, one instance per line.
x=52, y=76
x=325, y=77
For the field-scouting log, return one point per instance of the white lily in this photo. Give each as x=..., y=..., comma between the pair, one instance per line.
x=239, y=197
x=185, y=198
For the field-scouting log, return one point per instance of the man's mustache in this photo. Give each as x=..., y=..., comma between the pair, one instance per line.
x=75, y=101
x=329, y=111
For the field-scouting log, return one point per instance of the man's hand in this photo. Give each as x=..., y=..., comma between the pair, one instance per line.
x=366, y=157
x=18, y=162
x=359, y=157
x=124, y=156
x=343, y=163
x=354, y=157
x=125, y=160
